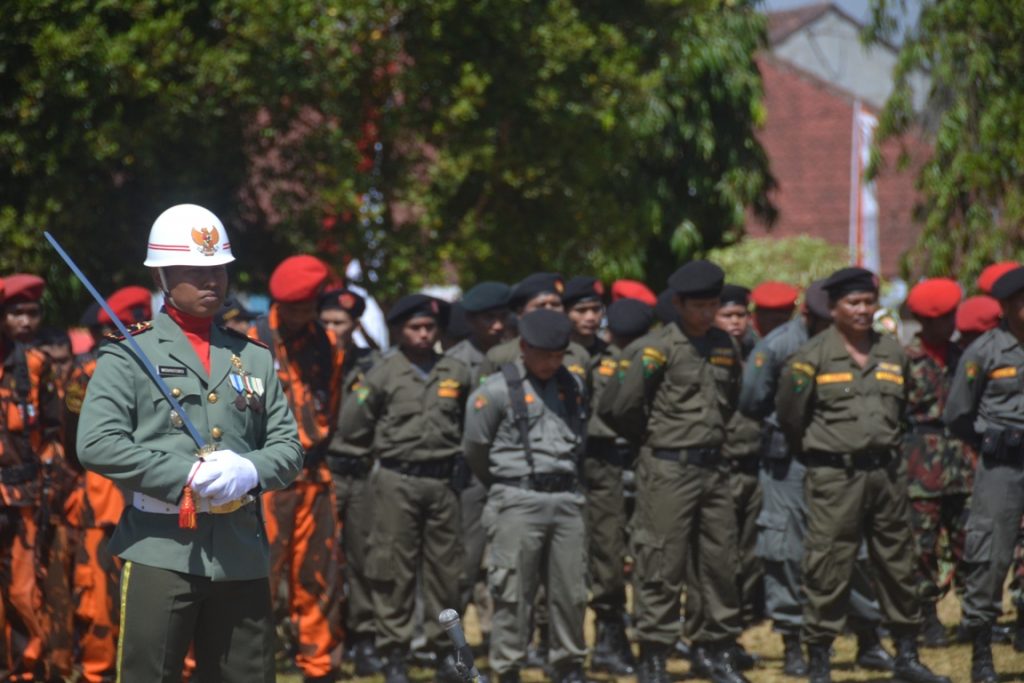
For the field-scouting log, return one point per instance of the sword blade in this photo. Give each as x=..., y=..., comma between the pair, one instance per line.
x=140, y=354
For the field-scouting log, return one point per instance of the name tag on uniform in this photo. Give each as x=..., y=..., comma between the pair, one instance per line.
x=1003, y=373
x=834, y=377
x=883, y=376
x=724, y=361
x=171, y=371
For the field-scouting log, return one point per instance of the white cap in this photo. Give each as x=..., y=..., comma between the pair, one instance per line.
x=188, y=235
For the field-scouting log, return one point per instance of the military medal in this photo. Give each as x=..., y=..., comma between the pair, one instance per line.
x=239, y=386
x=250, y=394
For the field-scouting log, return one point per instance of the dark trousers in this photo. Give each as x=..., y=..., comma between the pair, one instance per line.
x=163, y=612
x=606, y=535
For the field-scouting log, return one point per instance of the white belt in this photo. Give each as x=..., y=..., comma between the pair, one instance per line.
x=141, y=501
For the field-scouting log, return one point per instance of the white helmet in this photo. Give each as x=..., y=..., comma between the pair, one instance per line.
x=188, y=235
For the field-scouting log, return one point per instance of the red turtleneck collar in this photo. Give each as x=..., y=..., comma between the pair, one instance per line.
x=197, y=331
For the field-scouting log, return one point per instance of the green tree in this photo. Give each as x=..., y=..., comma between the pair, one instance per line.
x=606, y=137
x=796, y=260
x=973, y=187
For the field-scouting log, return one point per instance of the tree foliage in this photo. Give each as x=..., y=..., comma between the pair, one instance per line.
x=796, y=260
x=471, y=137
x=973, y=187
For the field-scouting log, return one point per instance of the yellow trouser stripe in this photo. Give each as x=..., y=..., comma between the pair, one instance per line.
x=126, y=574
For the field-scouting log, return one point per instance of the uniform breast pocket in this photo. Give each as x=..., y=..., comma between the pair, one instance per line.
x=187, y=392
x=403, y=424
x=836, y=401
x=1004, y=381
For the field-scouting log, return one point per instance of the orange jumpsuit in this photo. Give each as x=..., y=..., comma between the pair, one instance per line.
x=301, y=526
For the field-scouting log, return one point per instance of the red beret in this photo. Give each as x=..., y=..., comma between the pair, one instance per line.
x=24, y=287
x=132, y=304
x=774, y=295
x=978, y=314
x=298, y=278
x=992, y=273
x=934, y=297
x=633, y=289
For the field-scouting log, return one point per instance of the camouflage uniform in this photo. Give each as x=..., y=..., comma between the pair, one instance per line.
x=940, y=468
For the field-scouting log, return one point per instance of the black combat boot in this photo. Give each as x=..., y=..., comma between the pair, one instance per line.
x=908, y=668
x=794, y=663
x=1018, y=638
x=983, y=670
x=653, y=668
x=510, y=676
x=394, y=669
x=724, y=668
x=570, y=673
x=870, y=653
x=611, y=651
x=365, y=658
x=744, y=661
x=819, y=668
x=933, y=633
x=701, y=660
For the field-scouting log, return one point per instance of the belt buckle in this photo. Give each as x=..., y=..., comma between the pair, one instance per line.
x=231, y=505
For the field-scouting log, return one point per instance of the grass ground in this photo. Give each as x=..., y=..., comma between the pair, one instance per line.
x=954, y=661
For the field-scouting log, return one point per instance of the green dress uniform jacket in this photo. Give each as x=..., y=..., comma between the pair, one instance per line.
x=827, y=403
x=404, y=416
x=126, y=434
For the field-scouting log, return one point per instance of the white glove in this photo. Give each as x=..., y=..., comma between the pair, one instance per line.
x=224, y=476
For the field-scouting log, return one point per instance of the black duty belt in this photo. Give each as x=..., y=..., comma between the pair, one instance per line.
x=609, y=451
x=434, y=469
x=544, y=483
x=749, y=464
x=19, y=474
x=349, y=465
x=698, y=457
x=938, y=429
x=865, y=460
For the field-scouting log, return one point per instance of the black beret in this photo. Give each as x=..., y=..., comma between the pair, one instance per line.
x=582, y=288
x=630, y=318
x=458, y=327
x=534, y=285
x=849, y=280
x=545, y=329
x=697, y=279
x=1008, y=284
x=342, y=299
x=232, y=309
x=816, y=300
x=665, y=309
x=486, y=296
x=416, y=306
x=735, y=294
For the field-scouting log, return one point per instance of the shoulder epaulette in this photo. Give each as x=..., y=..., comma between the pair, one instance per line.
x=133, y=329
x=244, y=336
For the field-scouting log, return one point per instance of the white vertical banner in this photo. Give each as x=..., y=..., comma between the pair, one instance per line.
x=864, y=249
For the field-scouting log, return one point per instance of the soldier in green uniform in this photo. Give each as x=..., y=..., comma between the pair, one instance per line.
x=985, y=407
x=524, y=432
x=678, y=391
x=742, y=448
x=409, y=410
x=782, y=524
x=539, y=290
x=339, y=311
x=486, y=307
x=840, y=403
x=198, y=573
x=604, y=459
x=939, y=466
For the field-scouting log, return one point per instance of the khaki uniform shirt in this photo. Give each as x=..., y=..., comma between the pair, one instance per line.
x=576, y=358
x=401, y=415
x=676, y=392
x=826, y=402
x=126, y=434
x=471, y=356
x=492, y=441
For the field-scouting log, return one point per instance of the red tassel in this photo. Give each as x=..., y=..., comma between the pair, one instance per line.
x=187, y=511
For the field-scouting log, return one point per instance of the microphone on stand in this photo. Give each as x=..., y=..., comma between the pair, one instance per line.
x=450, y=622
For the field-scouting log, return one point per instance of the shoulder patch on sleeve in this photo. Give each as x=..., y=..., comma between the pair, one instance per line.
x=133, y=329
x=805, y=368
x=652, y=360
x=971, y=370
